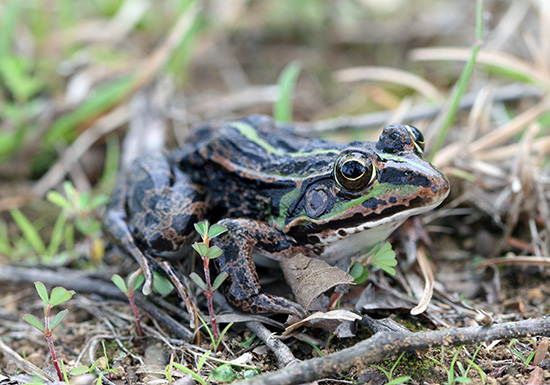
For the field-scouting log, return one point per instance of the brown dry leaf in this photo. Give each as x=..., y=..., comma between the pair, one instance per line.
x=310, y=277
x=335, y=321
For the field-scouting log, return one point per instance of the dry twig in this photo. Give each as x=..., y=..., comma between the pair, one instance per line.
x=386, y=344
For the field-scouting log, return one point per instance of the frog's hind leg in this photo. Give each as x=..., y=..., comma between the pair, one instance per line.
x=155, y=211
x=242, y=286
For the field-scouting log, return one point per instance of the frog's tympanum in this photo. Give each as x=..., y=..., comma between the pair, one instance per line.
x=278, y=194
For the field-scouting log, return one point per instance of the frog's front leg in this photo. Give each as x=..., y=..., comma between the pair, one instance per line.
x=242, y=286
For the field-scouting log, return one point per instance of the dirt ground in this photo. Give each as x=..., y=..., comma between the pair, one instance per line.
x=487, y=245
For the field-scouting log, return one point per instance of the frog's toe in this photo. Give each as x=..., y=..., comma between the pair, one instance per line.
x=265, y=303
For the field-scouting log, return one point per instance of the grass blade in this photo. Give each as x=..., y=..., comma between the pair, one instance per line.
x=460, y=88
x=282, y=110
x=57, y=233
x=29, y=231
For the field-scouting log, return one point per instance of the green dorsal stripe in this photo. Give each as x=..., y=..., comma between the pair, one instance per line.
x=251, y=134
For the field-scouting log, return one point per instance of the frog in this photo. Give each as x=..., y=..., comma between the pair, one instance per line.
x=277, y=192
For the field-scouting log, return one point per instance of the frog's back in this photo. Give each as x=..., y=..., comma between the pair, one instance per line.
x=259, y=145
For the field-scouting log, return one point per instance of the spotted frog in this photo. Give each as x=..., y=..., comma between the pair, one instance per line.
x=277, y=193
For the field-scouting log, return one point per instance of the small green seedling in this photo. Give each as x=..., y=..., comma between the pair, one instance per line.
x=526, y=361
x=186, y=370
x=389, y=373
x=216, y=340
x=161, y=285
x=106, y=370
x=380, y=255
x=135, y=280
x=58, y=296
x=207, y=253
x=78, y=207
x=455, y=365
x=226, y=372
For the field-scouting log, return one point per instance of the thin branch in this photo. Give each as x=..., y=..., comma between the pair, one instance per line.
x=281, y=351
x=385, y=344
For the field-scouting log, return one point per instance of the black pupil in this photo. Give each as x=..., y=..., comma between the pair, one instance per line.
x=353, y=169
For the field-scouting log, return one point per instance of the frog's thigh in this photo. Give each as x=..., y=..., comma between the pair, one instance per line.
x=238, y=244
x=163, y=204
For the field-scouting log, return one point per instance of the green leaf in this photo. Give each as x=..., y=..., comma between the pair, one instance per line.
x=83, y=199
x=70, y=192
x=65, y=376
x=33, y=321
x=463, y=380
x=224, y=373
x=5, y=245
x=119, y=282
x=385, y=259
x=201, y=248
x=282, y=110
x=186, y=370
x=161, y=284
x=225, y=330
x=373, y=250
x=29, y=231
x=98, y=201
x=399, y=380
x=79, y=370
x=198, y=281
x=8, y=23
x=210, y=334
x=15, y=73
x=42, y=292
x=138, y=281
x=359, y=273
x=216, y=230
x=69, y=237
x=203, y=359
x=202, y=228
x=57, y=233
x=103, y=98
x=60, y=295
x=59, y=200
x=10, y=142
x=249, y=373
x=248, y=342
x=219, y=280
x=213, y=252
x=58, y=318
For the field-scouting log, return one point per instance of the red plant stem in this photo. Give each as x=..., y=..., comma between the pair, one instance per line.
x=48, y=335
x=333, y=300
x=136, y=315
x=209, y=294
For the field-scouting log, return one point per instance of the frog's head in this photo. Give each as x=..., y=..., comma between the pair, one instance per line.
x=370, y=190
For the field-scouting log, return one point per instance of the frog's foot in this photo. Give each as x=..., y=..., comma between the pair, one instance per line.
x=266, y=303
x=242, y=287
x=118, y=230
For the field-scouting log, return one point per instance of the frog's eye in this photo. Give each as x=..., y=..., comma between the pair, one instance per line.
x=417, y=137
x=354, y=171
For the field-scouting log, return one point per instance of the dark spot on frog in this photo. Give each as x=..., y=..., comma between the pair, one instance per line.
x=393, y=199
x=160, y=243
x=402, y=177
x=342, y=232
x=313, y=239
x=374, y=203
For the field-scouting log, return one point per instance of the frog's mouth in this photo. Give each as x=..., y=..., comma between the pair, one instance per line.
x=386, y=221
